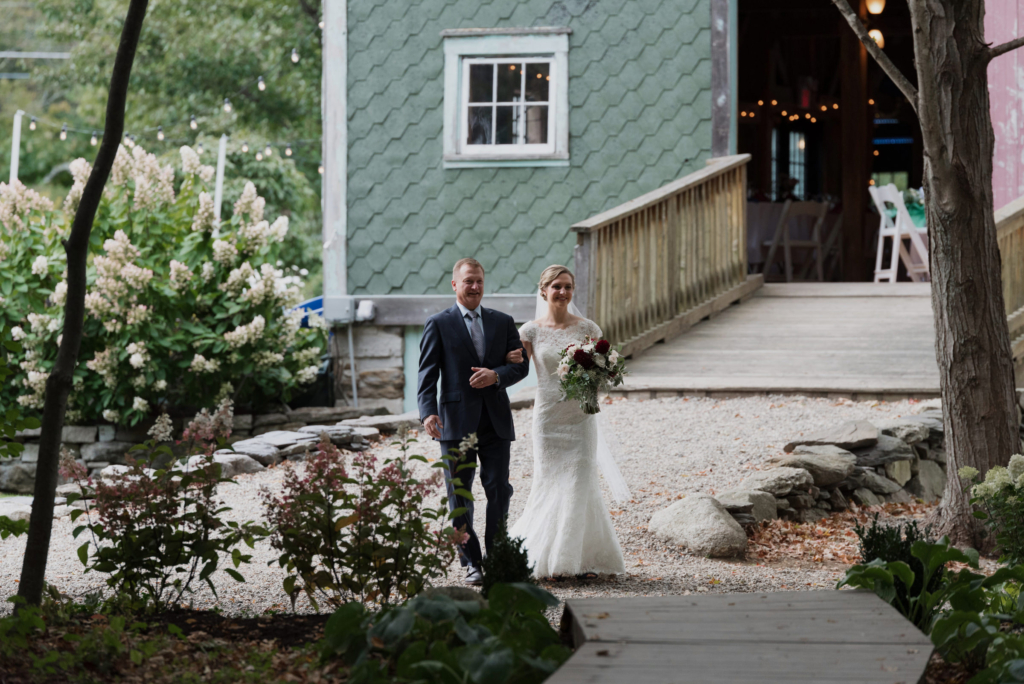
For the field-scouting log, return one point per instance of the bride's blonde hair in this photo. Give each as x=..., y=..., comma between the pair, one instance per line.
x=548, y=276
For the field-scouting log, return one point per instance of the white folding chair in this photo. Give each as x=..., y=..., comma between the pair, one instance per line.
x=791, y=210
x=902, y=227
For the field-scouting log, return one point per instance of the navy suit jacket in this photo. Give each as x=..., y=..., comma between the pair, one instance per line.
x=447, y=354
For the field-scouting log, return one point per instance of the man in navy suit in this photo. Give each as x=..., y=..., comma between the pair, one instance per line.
x=465, y=347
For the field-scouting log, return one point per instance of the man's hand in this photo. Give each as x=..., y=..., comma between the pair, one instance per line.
x=433, y=426
x=482, y=377
x=514, y=356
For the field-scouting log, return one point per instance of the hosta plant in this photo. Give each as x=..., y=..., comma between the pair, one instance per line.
x=180, y=311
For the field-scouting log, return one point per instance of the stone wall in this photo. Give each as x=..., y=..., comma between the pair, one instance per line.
x=379, y=354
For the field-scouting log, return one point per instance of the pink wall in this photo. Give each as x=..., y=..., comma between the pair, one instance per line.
x=1006, y=92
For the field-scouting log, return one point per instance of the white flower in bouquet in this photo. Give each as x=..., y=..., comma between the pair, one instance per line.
x=563, y=369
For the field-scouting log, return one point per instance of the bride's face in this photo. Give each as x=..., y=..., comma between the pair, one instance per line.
x=559, y=292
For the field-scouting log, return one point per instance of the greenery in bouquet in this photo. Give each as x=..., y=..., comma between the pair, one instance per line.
x=1000, y=496
x=586, y=369
x=180, y=312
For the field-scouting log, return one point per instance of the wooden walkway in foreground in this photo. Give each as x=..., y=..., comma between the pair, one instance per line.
x=853, y=340
x=826, y=637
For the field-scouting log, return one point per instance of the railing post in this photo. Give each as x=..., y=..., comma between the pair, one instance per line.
x=584, y=278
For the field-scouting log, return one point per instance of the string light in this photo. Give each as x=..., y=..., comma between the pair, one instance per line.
x=64, y=132
x=876, y=153
x=783, y=111
x=160, y=133
x=199, y=148
x=760, y=103
x=245, y=147
x=835, y=106
x=193, y=124
x=93, y=140
x=127, y=140
x=261, y=84
x=813, y=120
x=743, y=113
x=824, y=108
x=774, y=102
x=227, y=105
x=32, y=124
x=268, y=150
x=807, y=116
x=321, y=24
x=871, y=102
x=295, y=56
x=288, y=151
x=259, y=156
x=320, y=169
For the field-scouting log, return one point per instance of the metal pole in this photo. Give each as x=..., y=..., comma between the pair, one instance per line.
x=218, y=193
x=16, y=145
x=352, y=367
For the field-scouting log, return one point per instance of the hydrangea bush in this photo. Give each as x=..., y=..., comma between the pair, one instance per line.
x=1000, y=496
x=180, y=312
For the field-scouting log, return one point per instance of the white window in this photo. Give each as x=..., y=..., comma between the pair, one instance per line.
x=506, y=97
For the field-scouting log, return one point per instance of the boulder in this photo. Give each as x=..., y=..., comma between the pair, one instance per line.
x=18, y=477
x=933, y=421
x=74, y=488
x=302, y=449
x=900, y=496
x=390, y=424
x=866, y=497
x=778, y=481
x=269, y=419
x=936, y=454
x=61, y=511
x=15, y=512
x=909, y=430
x=30, y=453
x=878, y=484
x=263, y=452
x=112, y=471
x=523, y=399
x=111, y=452
x=325, y=414
x=853, y=434
x=233, y=463
x=929, y=483
x=887, y=450
x=838, y=501
x=282, y=438
x=28, y=433
x=106, y=433
x=811, y=515
x=762, y=504
x=366, y=433
x=702, y=525
x=78, y=434
x=927, y=405
x=799, y=501
x=338, y=435
x=241, y=422
x=828, y=465
x=899, y=472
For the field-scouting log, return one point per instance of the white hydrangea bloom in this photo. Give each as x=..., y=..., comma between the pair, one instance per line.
x=200, y=364
x=225, y=392
x=140, y=404
x=60, y=293
x=267, y=359
x=206, y=173
x=139, y=381
x=307, y=375
x=250, y=204
x=203, y=220
x=139, y=355
x=246, y=334
x=138, y=314
x=53, y=325
x=304, y=357
x=224, y=253
x=111, y=416
x=160, y=385
x=180, y=275
x=80, y=170
x=39, y=266
x=1016, y=468
x=279, y=229
x=238, y=279
x=190, y=163
x=38, y=322
x=17, y=333
x=163, y=429
x=17, y=201
x=316, y=321
x=209, y=270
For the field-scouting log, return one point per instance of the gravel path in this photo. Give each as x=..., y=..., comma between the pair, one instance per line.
x=671, y=447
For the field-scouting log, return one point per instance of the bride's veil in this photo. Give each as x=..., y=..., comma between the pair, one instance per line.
x=608, y=447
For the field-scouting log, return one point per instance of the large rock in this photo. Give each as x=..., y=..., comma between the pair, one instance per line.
x=263, y=452
x=929, y=483
x=18, y=477
x=876, y=483
x=74, y=488
x=838, y=501
x=410, y=420
x=927, y=406
x=282, y=438
x=111, y=452
x=269, y=419
x=762, y=504
x=702, y=525
x=15, y=512
x=325, y=414
x=233, y=463
x=78, y=434
x=828, y=465
x=30, y=453
x=799, y=501
x=339, y=435
x=898, y=497
x=887, y=450
x=866, y=497
x=241, y=422
x=778, y=481
x=810, y=515
x=524, y=398
x=933, y=421
x=853, y=434
x=112, y=471
x=899, y=472
x=909, y=430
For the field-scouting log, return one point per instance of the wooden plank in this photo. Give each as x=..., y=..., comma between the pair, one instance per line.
x=721, y=93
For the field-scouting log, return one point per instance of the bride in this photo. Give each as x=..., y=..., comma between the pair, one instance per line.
x=565, y=526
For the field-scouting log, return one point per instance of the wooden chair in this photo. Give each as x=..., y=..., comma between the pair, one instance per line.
x=915, y=260
x=790, y=211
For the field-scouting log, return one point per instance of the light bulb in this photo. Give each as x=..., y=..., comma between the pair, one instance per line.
x=807, y=116
x=760, y=103
x=824, y=108
x=261, y=84
x=743, y=113
x=295, y=56
x=288, y=151
x=245, y=147
x=259, y=156
x=813, y=120
x=320, y=169
x=227, y=105
x=193, y=124
x=835, y=106
x=32, y=124
x=64, y=132
x=127, y=142
x=871, y=102
x=93, y=140
x=199, y=148
x=160, y=133
x=321, y=24
x=268, y=150
x=774, y=102
x=875, y=6
x=876, y=153
x=783, y=112
x=877, y=36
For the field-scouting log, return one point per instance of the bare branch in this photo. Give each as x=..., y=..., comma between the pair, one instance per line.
x=890, y=69
x=1005, y=47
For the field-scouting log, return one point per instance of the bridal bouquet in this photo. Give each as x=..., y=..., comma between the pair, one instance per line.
x=587, y=368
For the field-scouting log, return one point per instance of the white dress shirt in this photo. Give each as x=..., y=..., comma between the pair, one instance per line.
x=471, y=322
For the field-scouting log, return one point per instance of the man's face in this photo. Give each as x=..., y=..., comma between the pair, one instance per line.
x=469, y=286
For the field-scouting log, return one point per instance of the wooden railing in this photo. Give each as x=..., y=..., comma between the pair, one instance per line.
x=1010, y=235
x=652, y=267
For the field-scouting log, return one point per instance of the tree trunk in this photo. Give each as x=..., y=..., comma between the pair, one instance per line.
x=58, y=384
x=972, y=340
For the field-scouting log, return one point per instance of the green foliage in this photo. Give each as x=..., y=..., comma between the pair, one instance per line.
x=1005, y=661
x=9, y=528
x=180, y=312
x=895, y=543
x=359, y=531
x=1000, y=496
x=157, y=532
x=12, y=420
x=437, y=639
x=506, y=562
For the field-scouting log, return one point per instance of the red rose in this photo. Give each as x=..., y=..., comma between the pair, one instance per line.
x=583, y=358
x=602, y=346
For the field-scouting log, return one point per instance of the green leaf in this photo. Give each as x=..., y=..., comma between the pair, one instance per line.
x=83, y=553
x=237, y=576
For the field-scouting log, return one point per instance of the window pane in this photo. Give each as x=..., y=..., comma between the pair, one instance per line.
x=481, y=82
x=536, y=125
x=506, y=129
x=538, y=77
x=479, y=126
x=510, y=81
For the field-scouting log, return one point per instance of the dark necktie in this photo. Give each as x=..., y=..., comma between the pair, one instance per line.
x=476, y=333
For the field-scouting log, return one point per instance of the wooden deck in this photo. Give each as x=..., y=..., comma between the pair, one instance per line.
x=853, y=340
x=826, y=637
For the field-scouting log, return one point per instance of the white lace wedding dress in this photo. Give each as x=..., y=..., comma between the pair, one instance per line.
x=566, y=525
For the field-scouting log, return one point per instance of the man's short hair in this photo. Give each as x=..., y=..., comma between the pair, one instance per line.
x=473, y=263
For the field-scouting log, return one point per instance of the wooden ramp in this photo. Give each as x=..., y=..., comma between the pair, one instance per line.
x=826, y=637
x=853, y=340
